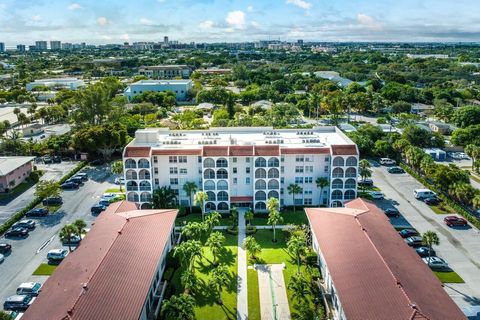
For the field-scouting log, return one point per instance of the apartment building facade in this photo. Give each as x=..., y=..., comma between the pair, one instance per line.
x=179, y=87
x=165, y=71
x=243, y=167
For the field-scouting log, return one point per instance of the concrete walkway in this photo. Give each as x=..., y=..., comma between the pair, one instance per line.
x=272, y=292
x=242, y=291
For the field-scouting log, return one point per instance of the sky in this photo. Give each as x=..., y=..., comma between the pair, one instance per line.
x=117, y=21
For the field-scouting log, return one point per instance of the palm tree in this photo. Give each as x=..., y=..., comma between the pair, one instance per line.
x=188, y=280
x=193, y=230
x=117, y=168
x=212, y=220
x=430, y=238
x=476, y=201
x=179, y=307
x=249, y=217
x=252, y=246
x=473, y=152
x=297, y=246
x=200, y=198
x=299, y=287
x=66, y=234
x=294, y=189
x=219, y=278
x=274, y=218
x=234, y=216
x=80, y=225
x=188, y=251
x=190, y=188
x=321, y=182
x=163, y=198
x=215, y=243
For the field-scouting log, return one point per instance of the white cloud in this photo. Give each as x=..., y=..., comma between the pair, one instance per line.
x=296, y=33
x=255, y=24
x=125, y=36
x=207, y=24
x=236, y=19
x=250, y=8
x=36, y=18
x=369, y=22
x=300, y=3
x=146, y=21
x=74, y=6
x=102, y=21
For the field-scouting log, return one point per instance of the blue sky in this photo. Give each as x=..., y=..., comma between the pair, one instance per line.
x=235, y=20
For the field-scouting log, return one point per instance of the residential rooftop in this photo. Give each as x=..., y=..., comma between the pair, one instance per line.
x=9, y=164
x=162, y=82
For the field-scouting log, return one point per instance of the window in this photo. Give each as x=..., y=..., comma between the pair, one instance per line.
x=247, y=180
x=247, y=159
x=156, y=182
x=235, y=170
x=309, y=169
x=307, y=201
x=155, y=159
x=298, y=201
x=282, y=169
x=173, y=170
x=299, y=158
x=282, y=159
x=182, y=159
x=327, y=159
x=282, y=180
x=247, y=170
x=307, y=191
x=308, y=179
x=298, y=169
x=199, y=159
x=325, y=169
x=183, y=170
x=173, y=181
x=235, y=180
x=298, y=179
x=155, y=170
x=308, y=158
x=234, y=160
x=172, y=159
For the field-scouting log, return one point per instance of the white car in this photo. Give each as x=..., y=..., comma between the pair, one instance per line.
x=120, y=181
x=423, y=194
x=2, y=258
x=435, y=263
x=377, y=195
x=387, y=162
x=57, y=254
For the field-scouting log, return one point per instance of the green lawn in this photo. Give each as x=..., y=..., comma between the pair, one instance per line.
x=253, y=295
x=114, y=190
x=442, y=209
x=448, y=277
x=275, y=253
x=289, y=217
x=18, y=190
x=206, y=305
x=197, y=217
x=44, y=270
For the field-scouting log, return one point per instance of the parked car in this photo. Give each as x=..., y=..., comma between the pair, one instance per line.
x=18, y=302
x=104, y=202
x=395, y=170
x=120, y=181
x=29, y=288
x=74, y=241
x=392, y=212
x=414, y=241
x=37, y=212
x=376, y=195
x=76, y=180
x=405, y=233
x=387, y=162
x=47, y=159
x=57, y=254
x=97, y=209
x=421, y=194
x=5, y=248
x=81, y=175
x=431, y=201
x=365, y=183
x=97, y=162
x=436, y=263
x=69, y=186
x=17, y=232
x=52, y=201
x=423, y=252
x=2, y=258
x=455, y=221
x=27, y=224
x=57, y=159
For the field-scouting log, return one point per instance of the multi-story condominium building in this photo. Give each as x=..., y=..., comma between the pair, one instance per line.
x=67, y=46
x=2, y=47
x=63, y=83
x=179, y=87
x=243, y=166
x=55, y=45
x=21, y=48
x=40, y=45
x=165, y=71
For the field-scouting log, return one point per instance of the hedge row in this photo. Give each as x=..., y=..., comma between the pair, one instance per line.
x=462, y=211
x=19, y=215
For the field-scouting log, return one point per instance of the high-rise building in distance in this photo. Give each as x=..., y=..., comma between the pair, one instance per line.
x=40, y=45
x=55, y=45
x=165, y=40
x=2, y=47
x=21, y=48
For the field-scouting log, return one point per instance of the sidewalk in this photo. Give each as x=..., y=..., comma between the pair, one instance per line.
x=242, y=291
x=273, y=294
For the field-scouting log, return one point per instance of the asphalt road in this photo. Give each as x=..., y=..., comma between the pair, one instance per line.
x=29, y=253
x=52, y=172
x=460, y=247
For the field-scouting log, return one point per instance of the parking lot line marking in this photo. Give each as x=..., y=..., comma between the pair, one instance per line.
x=45, y=244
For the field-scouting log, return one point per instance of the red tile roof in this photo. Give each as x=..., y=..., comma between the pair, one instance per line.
x=238, y=151
x=344, y=150
x=215, y=151
x=177, y=152
x=306, y=150
x=374, y=272
x=137, y=152
x=268, y=150
x=109, y=275
x=241, y=199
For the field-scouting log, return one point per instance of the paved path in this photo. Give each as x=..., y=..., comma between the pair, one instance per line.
x=272, y=292
x=242, y=291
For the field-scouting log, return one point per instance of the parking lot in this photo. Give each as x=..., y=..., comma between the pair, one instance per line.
x=27, y=254
x=459, y=246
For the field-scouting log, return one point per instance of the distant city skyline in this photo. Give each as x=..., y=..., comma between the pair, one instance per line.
x=100, y=22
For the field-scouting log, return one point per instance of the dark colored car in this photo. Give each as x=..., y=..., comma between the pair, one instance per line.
x=69, y=186
x=17, y=232
x=18, y=302
x=81, y=175
x=52, y=201
x=96, y=162
x=405, y=233
x=27, y=224
x=365, y=183
x=395, y=170
x=455, y=221
x=97, y=209
x=432, y=201
x=37, y=212
x=414, y=241
x=57, y=159
x=392, y=212
x=76, y=180
x=5, y=248
x=47, y=160
x=423, y=252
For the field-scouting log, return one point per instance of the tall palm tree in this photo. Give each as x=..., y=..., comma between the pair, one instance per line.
x=249, y=217
x=430, y=238
x=215, y=243
x=297, y=246
x=294, y=189
x=473, y=152
x=299, y=286
x=66, y=234
x=163, y=198
x=188, y=280
x=80, y=226
x=200, y=198
x=212, y=220
x=193, y=230
x=179, y=307
x=321, y=182
x=219, y=279
x=234, y=216
x=190, y=188
x=188, y=251
x=274, y=218
x=117, y=168
x=252, y=246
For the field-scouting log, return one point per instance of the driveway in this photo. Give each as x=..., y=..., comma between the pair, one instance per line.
x=459, y=246
x=52, y=172
x=27, y=254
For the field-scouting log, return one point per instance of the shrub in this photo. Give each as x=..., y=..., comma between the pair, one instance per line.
x=315, y=273
x=250, y=230
x=172, y=262
x=233, y=231
x=311, y=258
x=168, y=274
